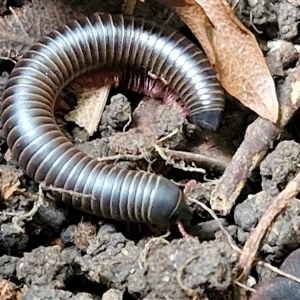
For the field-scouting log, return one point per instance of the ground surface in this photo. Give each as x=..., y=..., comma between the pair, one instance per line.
x=51, y=251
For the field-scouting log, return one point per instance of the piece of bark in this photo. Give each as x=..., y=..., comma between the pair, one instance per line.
x=90, y=106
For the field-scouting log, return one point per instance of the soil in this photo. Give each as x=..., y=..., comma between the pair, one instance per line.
x=51, y=251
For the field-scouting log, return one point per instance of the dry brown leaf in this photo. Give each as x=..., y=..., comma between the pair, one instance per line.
x=7, y=291
x=234, y=52
x=28, y=24
x=8, y=190
x=9, y=181
x=89, y=108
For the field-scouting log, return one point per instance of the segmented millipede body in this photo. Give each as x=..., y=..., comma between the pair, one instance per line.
x=110, y=42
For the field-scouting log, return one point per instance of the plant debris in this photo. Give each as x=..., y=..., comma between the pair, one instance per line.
x=25, y=25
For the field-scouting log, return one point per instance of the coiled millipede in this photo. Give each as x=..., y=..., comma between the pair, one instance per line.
x=110, y=42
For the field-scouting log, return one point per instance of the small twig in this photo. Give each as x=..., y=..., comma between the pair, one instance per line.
x=199, y=159
x=245, y=287
x=278, y=271
x=168, y=136
x=188, y=168
x=163, y=154
x=117, y=157
x=255, y=146
x=248, y=156
x=261, y=231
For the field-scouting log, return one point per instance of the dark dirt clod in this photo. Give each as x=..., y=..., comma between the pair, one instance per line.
x=117, y=262
x=277, y=169
x=110, y=258
x=43, y=267
x=196, y=266
x=280, y=287
x=8, y=265
x=246, y=214
x=132, y=142
x=281, y=56
x=50, y=219
x=80, y=135
x=207, y=230
x=47, y=266
x=115, y=115
x=12, y=239
x=284, y=234
x=276, y=18
x=68, y=235
x=151, y=120
x=280, y=166
x=96, y=148
x=202, y=192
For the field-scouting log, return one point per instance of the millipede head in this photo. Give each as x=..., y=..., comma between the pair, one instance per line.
x=208, y=120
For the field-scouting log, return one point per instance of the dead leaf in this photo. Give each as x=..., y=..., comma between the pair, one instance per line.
x=10, y=181
x=92, y=90
x=89, y=109
x=7, y=291
x=234, y=52
x=28, y=24
x=8, y=191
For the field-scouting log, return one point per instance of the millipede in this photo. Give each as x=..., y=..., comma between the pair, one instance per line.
x=109, y=42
